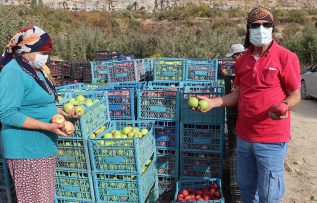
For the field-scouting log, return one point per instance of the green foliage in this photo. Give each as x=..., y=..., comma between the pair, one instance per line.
x=304, y=45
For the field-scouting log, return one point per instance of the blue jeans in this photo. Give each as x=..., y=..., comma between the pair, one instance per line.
x=260, y=171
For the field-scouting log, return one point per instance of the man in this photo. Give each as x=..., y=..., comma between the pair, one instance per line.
x=265, y=75
x=236, y=50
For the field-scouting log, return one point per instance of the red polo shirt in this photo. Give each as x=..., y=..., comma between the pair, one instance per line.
x=263, y=83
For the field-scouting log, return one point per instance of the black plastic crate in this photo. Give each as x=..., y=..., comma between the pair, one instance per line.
x=235, y=194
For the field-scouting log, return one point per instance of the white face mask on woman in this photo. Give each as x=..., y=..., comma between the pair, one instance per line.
x=261, y=36
x=39, y=61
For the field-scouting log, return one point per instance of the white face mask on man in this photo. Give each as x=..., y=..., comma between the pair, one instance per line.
x=39, y=61
x=261, y=36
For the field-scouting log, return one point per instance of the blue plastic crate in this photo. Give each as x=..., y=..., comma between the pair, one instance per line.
x=164, y=84
x=198, y=185
x=166, y=134
x=201, y=70
x=94, y=116
x=154, y=194
x=201, y=137
x=67, y=200
x=123, y=154
x=72, y=154
x=171, y=69
x=216, y=115
x=128, y=85
x=121, y=103
x=122, y=71
x=5, y=194
x=167, y=188
x=100, y=71
x=199, y=165
x=74, y=185
x=118, y=187
x=4, y=172
x=199, y=84
x=158, y=105
x=167, y=162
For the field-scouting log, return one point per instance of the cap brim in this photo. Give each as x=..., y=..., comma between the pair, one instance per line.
x=229, y=54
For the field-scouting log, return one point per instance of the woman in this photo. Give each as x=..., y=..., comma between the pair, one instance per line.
x=27, y=104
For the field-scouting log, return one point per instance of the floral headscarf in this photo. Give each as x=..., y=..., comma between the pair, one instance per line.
x=30, y=39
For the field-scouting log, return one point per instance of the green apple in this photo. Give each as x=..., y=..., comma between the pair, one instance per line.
x=95, y=101
x=203, y=104
x=80, y=98
x=92, y=136
x=108, y=143
x=130, y=135
x=117, y=134
x=68, y=107
x=75, y=102
x=126, y=130
x=138, y=134
x=193, y=102
x=60, y=99
x=135, y=130
x=89, y=103
x=124, y=136
x=144, y=131
x=107, y=135
x=72, y=100
x=80, y=110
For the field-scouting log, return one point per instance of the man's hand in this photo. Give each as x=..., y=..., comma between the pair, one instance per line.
x=210, y=104
x=275, y=116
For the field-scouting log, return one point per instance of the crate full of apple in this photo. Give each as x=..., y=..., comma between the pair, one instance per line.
x=199, y=190
x=93, y=108
x=125, y=147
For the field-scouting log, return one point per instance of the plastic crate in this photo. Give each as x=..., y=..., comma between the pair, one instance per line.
x=5, y=194
x=74, y=185
x=235, y=194
x=55, y=68
x=129, y=85
x=93, y=117
x=118, y=187
x=121, y=103
x=216, y=115
x=201, y=70
x=71, y=201
x=4, y=172
x=87, y=78
x=226, y=63
x=164, y=84
x=66, y=69
x=233, y=170
x=197, y=185
x=122, y=71
x=158, y=105
x=125, y=154
x=166, y=134
x=167, y=162
x=200, y=165
x=154, y=194
x=100, y=71
x=169, y=69
x=199, y=84
x=167, y=188
x=200, y=137
x=73, y=154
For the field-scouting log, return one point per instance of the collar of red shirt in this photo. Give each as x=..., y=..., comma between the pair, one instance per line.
x=271, y=47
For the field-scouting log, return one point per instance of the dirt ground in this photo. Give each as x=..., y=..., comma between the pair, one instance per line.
x=301, y=161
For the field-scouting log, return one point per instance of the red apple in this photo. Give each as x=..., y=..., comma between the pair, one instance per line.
x=188, y=197
x=58, y=118
x=217, y=195
x=180, y=196
x=184, y=192
x=214, y=185
x=280, y=109
x=212, y=191
x=199, y=192
x=206, y=197
x=69, y=128
x=198, y=197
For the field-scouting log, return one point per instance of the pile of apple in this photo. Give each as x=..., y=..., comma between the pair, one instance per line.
x=193, y=69
x=73, y=149
x=126, y=132
x=210, y=192
x=78, y=104
x=69, y=128
x=194, y=102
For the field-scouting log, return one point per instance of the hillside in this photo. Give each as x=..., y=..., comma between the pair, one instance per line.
x=152, y=5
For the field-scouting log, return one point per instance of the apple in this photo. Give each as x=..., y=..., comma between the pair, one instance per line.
x=126, y=130
x=135, y=130
x=79, y=110
x=138, y=134
x=80, y=98
x=95, y=101
x=117, y=134
x=131, y=135
x=193, y=102
x=280, y=109
x=60, y=99
x=107, y=136
x=203, y=104
x=184, y=192
x=92, y=136
x=69, y=128
x=206, y=197
x=58, y=118
x=75, y=103
x=89, y=103
x=72, y=100
x=217, y=195
x=144, y=131
x=68, y=107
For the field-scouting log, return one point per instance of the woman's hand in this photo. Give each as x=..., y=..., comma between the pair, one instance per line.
x=210, y=104
x=71, y=114
x=57, y=128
